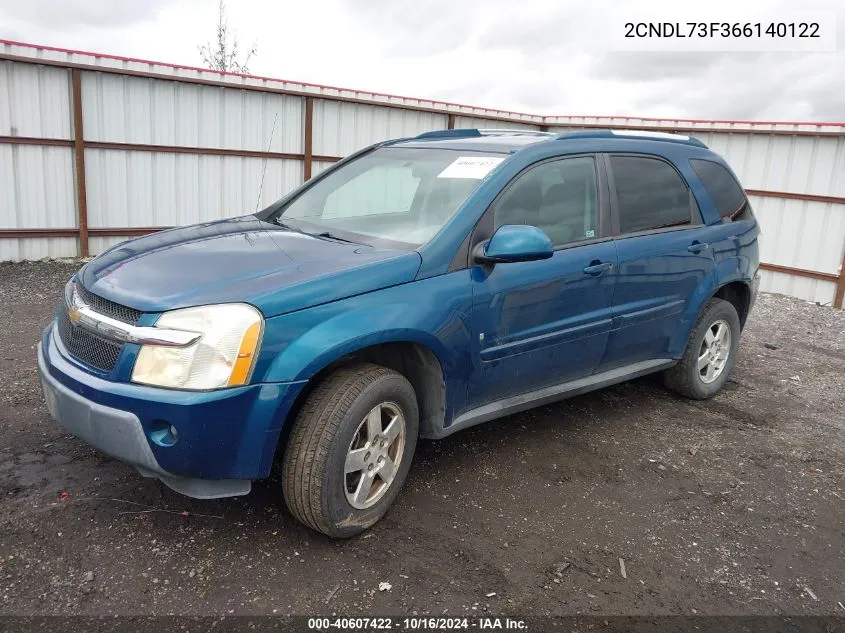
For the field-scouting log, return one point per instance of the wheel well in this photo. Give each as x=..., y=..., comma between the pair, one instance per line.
x=414, y=361
x=738, y=294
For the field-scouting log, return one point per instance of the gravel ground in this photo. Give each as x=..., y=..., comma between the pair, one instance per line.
x=730, y=506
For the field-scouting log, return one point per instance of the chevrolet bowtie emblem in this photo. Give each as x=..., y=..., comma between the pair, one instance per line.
x=82, y=315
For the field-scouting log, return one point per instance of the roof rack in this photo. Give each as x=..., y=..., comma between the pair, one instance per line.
x=497, y=132
x=631, y=134
x=476, y=133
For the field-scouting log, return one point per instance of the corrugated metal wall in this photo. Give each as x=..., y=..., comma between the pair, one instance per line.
x=475, y=122
x=139, y=188
x=36, y=182
x=692, y=125
x=138, y=110
x=341, y=128
x=805, y=235
x=166, y=145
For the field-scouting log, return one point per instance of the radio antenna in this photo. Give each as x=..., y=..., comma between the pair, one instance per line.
x=264, y=167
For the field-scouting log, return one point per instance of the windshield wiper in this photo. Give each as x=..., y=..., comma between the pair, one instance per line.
x=285, y=225
x=328, y=235
x=332, y=236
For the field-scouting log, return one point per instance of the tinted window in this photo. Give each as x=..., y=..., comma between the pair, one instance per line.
x=723, y=188
x=558, y=197
x=650, y=194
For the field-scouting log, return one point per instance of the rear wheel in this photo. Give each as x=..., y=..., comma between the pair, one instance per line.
x=710, y=353
x=350, y=449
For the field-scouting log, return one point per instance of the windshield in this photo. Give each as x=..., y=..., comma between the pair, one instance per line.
x=397, y=194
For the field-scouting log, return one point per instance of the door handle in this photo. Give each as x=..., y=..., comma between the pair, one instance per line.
x=697, y=247
x=597, y=268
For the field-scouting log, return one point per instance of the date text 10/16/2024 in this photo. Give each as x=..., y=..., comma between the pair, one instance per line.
x=418, y=624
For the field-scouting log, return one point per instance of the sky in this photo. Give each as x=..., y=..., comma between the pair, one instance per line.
x=539, y=56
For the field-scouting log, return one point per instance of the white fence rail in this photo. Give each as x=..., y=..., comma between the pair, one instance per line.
x=94, y=149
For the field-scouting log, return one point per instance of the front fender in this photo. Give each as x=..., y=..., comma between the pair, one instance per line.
x=431, y=312
x=347, y=333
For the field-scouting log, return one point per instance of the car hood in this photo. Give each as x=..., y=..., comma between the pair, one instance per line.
x=243, y=259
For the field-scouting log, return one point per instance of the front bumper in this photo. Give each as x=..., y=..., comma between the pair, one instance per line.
x=226, y=438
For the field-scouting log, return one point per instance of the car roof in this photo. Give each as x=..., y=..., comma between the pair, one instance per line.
x=508, y=141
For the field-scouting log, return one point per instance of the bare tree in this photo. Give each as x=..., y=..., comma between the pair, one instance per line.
x=223, y=54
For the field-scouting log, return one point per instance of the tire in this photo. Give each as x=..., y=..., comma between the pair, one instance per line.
x=686, y=378
x=336, y=419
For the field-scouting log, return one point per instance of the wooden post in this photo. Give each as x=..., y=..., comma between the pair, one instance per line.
x=308, y=141
x=79, y=155
x=840, y=286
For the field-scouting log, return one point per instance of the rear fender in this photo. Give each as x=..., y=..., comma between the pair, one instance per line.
x=689, y=316
x=727, y=271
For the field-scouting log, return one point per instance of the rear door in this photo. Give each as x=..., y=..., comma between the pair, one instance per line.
x=545, y=322
x=663, y=256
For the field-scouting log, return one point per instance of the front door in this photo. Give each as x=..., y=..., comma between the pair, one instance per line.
x=540, y=323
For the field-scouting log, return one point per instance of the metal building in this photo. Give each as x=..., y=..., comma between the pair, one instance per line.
x=97, y=148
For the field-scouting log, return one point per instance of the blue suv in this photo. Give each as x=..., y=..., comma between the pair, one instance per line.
x=417, y=288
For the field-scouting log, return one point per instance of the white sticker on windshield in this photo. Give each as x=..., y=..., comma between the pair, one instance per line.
x=474, y=167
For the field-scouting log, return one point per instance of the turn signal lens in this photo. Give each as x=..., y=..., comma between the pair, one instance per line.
x=246, y=355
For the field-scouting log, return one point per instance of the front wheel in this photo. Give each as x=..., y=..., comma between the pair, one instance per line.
x=710, y=353
x=350, y=449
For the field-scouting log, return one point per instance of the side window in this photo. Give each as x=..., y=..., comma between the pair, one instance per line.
x=650, y=194
x=558, y=196
x=723, y=188
x=382, y=189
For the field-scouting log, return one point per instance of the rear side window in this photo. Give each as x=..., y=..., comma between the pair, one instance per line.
x=723, y=188
x=650, y=194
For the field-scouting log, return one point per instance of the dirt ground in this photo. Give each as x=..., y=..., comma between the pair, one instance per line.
x=730, y=506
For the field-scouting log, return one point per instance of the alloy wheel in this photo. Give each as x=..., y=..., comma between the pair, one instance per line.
x=374, y=455
x=714, y=352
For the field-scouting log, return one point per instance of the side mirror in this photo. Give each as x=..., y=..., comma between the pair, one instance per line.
x=514, y=243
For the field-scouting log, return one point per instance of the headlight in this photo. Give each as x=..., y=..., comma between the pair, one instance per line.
x=223, y=356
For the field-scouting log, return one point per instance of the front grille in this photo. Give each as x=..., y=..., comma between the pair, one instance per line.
x=85, y=346
x=108, y=308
